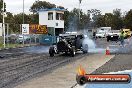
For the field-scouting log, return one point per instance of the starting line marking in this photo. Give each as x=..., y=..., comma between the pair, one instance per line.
x=114, y=45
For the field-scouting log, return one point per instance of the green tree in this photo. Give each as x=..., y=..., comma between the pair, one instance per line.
x=10, y=20
x=108, y=19
x=113, y=20
x=61, y=7
x=100, y=22
x=18, y=19
x=128, y=20
x=84, y=21
x=1, y=9
x=117, y=19
x=1, y=6
x=37, y=5
x=33, y=18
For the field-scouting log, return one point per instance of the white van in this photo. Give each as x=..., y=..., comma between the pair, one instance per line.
x=104, y=29
x=102, y=32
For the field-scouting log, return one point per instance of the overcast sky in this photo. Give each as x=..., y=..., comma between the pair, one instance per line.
x=15, y=6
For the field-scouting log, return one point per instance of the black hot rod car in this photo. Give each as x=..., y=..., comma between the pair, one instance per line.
x=69, y=44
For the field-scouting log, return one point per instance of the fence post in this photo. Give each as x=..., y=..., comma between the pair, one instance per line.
x=7, y=35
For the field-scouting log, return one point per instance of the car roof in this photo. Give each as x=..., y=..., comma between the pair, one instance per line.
x=126, y=29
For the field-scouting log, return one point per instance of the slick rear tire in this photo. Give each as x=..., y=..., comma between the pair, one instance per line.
x=66, y=53
x=108, y=40
x=85, y=52
x=85, y=49
x=51, y=52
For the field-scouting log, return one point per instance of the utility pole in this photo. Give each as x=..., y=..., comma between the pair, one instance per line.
x=23, y=12
x=79, y=10
x=4, y=22
x=23, y=21
x=7, y=35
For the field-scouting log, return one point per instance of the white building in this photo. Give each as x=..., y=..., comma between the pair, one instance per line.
x=54, y=19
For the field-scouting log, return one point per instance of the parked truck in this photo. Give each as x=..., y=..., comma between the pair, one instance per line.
x=102, y=32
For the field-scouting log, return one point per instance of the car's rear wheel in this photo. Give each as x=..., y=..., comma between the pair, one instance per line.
x=66, y=53
x=85, y=49
x=85, y=52
x=108, y=40
x=51, y=52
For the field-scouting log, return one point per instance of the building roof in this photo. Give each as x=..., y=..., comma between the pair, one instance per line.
x=53, y=9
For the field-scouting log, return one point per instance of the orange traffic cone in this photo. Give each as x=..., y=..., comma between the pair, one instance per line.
x=107, y=51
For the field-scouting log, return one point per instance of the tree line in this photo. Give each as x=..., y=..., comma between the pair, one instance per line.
x=93, y=18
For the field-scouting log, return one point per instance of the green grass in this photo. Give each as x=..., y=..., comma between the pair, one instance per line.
x=13, y=45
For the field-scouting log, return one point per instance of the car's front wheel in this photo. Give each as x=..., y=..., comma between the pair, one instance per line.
x=72, y=52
